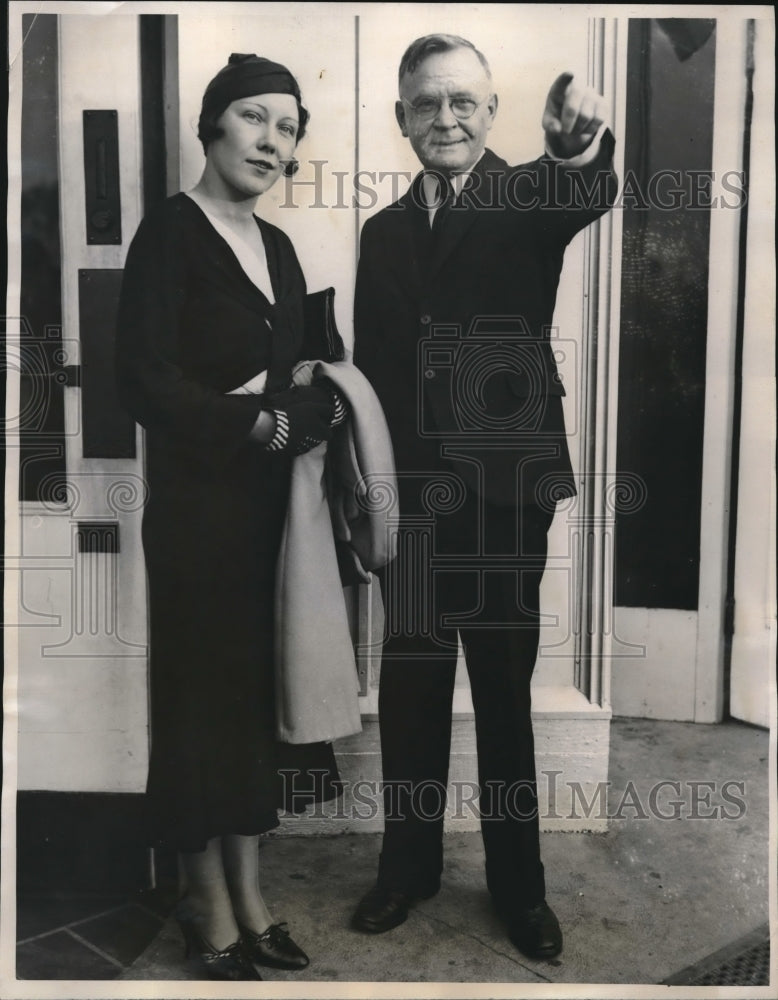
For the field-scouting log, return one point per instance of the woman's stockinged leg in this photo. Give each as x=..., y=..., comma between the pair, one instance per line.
x=207, y=903
x=266, y=943
x=241, y=867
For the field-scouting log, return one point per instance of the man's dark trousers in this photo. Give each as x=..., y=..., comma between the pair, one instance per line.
x=486, y=566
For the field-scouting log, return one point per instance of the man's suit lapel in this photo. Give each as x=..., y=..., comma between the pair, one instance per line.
x=417, y=257
x=408, y=253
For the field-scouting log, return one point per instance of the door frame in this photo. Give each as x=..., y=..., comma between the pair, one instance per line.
x=680, y=673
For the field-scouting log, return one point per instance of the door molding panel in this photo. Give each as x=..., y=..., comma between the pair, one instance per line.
x=82, y=654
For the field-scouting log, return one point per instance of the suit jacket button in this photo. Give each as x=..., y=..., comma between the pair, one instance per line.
x=426, y=319
x=429, y=373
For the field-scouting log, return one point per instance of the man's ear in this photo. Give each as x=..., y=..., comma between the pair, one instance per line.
x=492, y=109
x=399, y=114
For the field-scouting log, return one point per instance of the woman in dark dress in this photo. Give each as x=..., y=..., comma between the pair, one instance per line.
x=212, y=296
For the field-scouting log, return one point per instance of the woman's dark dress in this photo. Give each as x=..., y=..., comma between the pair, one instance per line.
x=192, y=326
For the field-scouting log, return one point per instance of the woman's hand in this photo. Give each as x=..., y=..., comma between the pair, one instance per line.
x=339, y=404
x=303, y=418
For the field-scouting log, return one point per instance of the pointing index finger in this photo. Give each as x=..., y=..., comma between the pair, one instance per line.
x=558, y=88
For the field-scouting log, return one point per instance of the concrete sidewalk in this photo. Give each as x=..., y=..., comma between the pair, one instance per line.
x=637, y=904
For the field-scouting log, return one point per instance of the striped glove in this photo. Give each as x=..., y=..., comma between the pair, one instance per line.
x=339, y=404
x=304, y=416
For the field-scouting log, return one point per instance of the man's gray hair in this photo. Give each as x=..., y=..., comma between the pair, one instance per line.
x=430, y=45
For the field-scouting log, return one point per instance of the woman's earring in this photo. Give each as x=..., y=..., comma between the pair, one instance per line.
x=291, y=167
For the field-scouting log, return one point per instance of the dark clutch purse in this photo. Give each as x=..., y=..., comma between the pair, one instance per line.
x=321, y=339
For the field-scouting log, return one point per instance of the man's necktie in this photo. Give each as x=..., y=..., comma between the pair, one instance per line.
x=444, y=202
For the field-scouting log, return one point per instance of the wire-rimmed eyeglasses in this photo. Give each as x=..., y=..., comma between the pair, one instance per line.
x=427, y=108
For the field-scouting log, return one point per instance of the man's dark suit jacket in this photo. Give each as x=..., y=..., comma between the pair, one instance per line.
x=453, y=328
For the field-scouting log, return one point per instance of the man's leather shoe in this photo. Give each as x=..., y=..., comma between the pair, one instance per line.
x=535, y=931
x=381, y=908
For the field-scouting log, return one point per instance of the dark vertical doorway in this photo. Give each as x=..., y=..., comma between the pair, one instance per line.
x=664, y=307
x=160, y=152
x=41, y=362
x=159, y=106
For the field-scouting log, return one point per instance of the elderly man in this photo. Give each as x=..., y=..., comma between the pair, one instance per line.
x=455, y=295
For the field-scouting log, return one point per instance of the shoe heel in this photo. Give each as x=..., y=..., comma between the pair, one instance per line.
x=186, y=930
x=230, y=963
